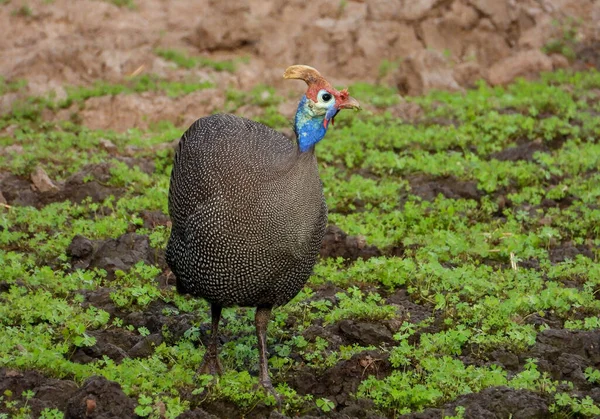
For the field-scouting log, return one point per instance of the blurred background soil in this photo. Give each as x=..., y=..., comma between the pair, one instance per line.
x=415, y=45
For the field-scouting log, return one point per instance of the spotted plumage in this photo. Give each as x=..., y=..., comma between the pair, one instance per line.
x=248, y=213
x=248, y=210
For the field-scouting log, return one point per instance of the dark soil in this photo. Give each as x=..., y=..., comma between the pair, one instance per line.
x=21, y=191
x=117, y=345
x=429, y=188
x=338, y=244
x=568, y=250
x=96, y=398
x=493, y=403
x=121, y=253
x=523, y=151
x=102, y=399
x=412, y=312
x=565, y=354
x=49, y=392
x=342, y=380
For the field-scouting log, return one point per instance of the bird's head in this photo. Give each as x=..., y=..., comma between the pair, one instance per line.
x=318, y=107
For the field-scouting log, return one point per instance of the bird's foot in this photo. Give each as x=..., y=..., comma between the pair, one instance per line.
x=210, y=365
x=269, y=389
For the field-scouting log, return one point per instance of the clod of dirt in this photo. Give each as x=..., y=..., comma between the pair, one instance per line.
x=556, y=203
x=154, y=218
x=414, y=313
x=566, y=251
x=565, y=354
x=100, y=299
x=521, y=152
x=115, y=344
x=547, y=320
x=78, y=186
x=152, y=317
x=18, y=191
x=42, y=181
x=501, y=402
x=80, y=247
x=429, y=188
x=49, y=392
x=43, y=191
x=145, y=347
x=154, y=320
x=113, y=254
x=365, y=334
x=109, y=146
x=101, y=399
x=508, y=360
x=339, y=382
x=337, y=243
x=122, y=253
x=329, y=333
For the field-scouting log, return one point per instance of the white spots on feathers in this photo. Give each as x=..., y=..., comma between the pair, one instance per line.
x=248, y=213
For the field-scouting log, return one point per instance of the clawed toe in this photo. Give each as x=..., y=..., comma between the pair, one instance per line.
x=269, y=389
x=211, y=365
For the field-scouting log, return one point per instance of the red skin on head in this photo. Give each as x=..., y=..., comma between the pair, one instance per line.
x=314, y=88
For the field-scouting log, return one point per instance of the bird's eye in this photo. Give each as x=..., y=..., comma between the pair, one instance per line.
x=326, y=97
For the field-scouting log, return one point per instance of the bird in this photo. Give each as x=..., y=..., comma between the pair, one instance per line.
x=248, y=211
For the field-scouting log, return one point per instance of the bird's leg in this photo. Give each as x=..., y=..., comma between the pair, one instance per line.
x=261, y=321
x=211, y=364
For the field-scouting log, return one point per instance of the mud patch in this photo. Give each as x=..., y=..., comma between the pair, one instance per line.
x=429, y=188
x=100, y=398
x=154, y=319
x=520, y=152
x=365, y=333
x=565, y=354
x=158, y=317
x=339, y=244
x=49, y=392
x=570, y=251
x=111, y=255
x=341, y=381
x=21, y=191
x=117, y=344
x=494, y=402
x=112, y=343
x=155, y=218
x=410, y=311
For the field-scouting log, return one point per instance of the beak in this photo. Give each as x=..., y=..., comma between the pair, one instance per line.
x=350, y=103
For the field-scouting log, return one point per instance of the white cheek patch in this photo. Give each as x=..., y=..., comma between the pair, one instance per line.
x=316, y=109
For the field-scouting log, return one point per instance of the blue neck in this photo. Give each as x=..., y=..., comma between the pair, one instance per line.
x=308, y=126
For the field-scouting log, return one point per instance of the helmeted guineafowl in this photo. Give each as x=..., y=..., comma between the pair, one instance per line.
x=248, y=210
